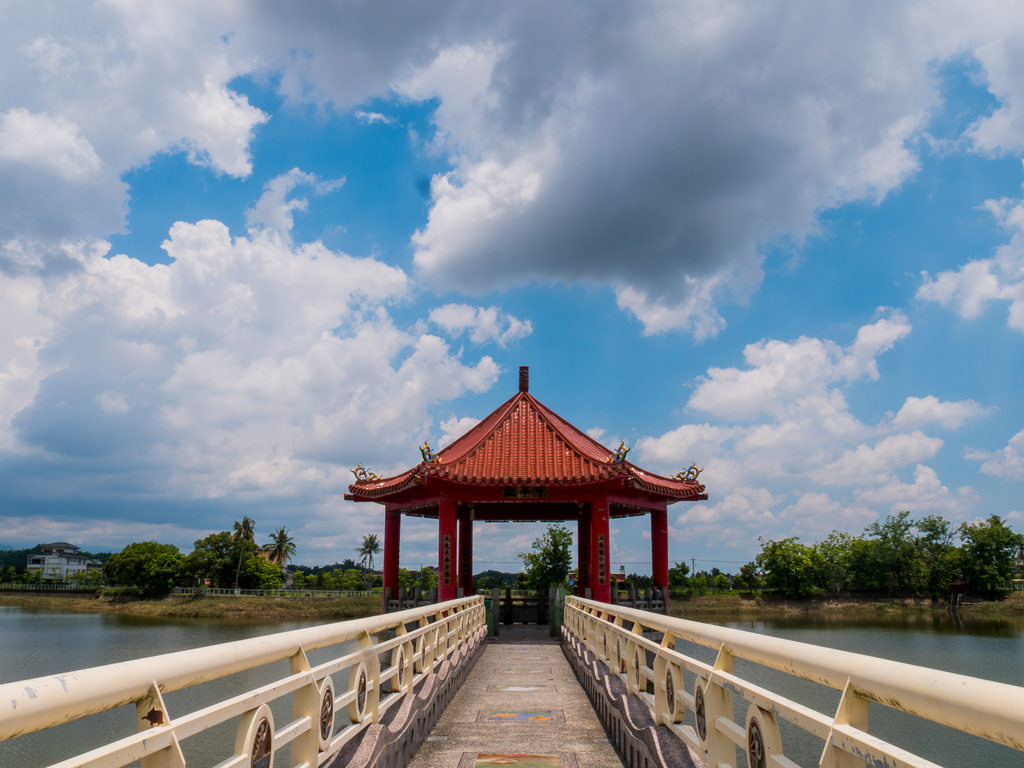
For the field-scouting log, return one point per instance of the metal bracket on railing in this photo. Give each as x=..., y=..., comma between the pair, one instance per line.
x=309, y=702
x=364, y=679
x=401, y=659
x=852, y=711
x=152, y=713
x=424, y=649
x=716, y=702
x=668, y=678
x=255, y=740
x=764, y=740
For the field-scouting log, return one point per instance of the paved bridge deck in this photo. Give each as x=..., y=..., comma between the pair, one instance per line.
x=520, y=706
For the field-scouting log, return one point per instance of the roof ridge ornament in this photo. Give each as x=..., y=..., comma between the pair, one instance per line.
x=688, y=475
x=620, y=454
x=428, y=455
x=364, y=476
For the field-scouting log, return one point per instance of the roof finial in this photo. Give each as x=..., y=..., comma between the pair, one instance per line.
x=524, y=378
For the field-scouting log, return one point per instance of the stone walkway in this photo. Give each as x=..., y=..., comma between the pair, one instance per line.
x=520, y=706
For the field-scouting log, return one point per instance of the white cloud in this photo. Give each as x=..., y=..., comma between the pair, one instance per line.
x=274, y=210
x=483, y=324
x=919, y=411
x=780, y=373
x=454, y=428
x=735, y=521
x=979, y=283
x=791, y=432
x=569, y=158
x=204, y=379
x=869, y=464
x=926, y=495
x=1007, y=462
x=55, y=145
x=369, y=118
x=592, y=178
x=813, y=515
x=93, y=91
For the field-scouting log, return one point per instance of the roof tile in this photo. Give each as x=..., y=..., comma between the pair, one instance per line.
x=525, y=443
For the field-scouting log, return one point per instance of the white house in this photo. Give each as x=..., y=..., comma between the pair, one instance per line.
x=60, y=561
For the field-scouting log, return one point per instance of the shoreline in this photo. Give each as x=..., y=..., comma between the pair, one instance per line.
x=710, y=607
x=705, y=608
x=189, y=607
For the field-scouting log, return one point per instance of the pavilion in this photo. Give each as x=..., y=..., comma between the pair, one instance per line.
x=524, y=462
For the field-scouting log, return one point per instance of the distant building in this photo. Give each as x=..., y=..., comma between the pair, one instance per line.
x=60, y=561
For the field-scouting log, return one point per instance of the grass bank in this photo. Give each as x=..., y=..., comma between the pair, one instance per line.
x=746, y=607
x=188, y=607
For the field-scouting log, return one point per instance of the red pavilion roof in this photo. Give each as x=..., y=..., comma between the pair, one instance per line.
x=524, y=443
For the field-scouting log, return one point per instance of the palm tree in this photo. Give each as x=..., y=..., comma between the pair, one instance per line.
x=369, y=548
x=244, y=533
x=281, y=546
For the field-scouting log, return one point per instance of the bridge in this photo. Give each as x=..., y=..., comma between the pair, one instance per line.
x=428, y=687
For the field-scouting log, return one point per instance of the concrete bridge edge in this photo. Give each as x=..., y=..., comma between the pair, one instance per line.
x=392, y=742
x=638, y=740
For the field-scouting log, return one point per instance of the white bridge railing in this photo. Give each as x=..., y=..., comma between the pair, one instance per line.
x=332, y=701
x=615, y=635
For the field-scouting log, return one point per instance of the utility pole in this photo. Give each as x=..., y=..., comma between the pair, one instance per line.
x=693, y=566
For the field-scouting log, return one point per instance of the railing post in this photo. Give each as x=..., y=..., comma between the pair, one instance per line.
x=494, y=612
x=853, y=711
x=556, y=611
x=306, y=703
x=152, y=712
x=718, y=748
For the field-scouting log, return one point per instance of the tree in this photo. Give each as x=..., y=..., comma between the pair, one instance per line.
x=257, y=573
x=833, y=560
x=678, y=581
x=369, y=547
x=699, y=582
x=720, y=582
x=213, y=559
x=153, y=568
x=749, y=576
x=897, y=553
x=941, y=562
x=789, y=566
x=989, y=549
x=281, y=546
x=244, y=534
x=550, y=559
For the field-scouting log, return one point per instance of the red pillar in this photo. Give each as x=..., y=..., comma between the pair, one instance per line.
x=447, y=550
x=600, y=550
x=659, y=549
x=583, y=552
x=466, y=551
x=392, y=539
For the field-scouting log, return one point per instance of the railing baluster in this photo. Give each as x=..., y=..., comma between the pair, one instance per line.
x=440, y=630
x=981, y=707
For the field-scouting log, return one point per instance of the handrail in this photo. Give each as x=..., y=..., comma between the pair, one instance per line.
x=985, y=708
x=420, y=640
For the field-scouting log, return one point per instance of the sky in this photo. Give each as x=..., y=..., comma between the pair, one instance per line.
x=246, y=246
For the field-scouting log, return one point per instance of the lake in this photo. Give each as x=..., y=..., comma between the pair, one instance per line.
x=37, y=643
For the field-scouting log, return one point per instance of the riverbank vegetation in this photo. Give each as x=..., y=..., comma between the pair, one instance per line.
x=266, y=609
x=225, y=559
x=898, y=557
x=726, y=607
x=754, y=607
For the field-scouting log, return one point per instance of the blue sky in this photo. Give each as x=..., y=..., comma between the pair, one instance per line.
x=242, y=250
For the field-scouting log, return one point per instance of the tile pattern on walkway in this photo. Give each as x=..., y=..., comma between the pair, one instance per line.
x=520, y=706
